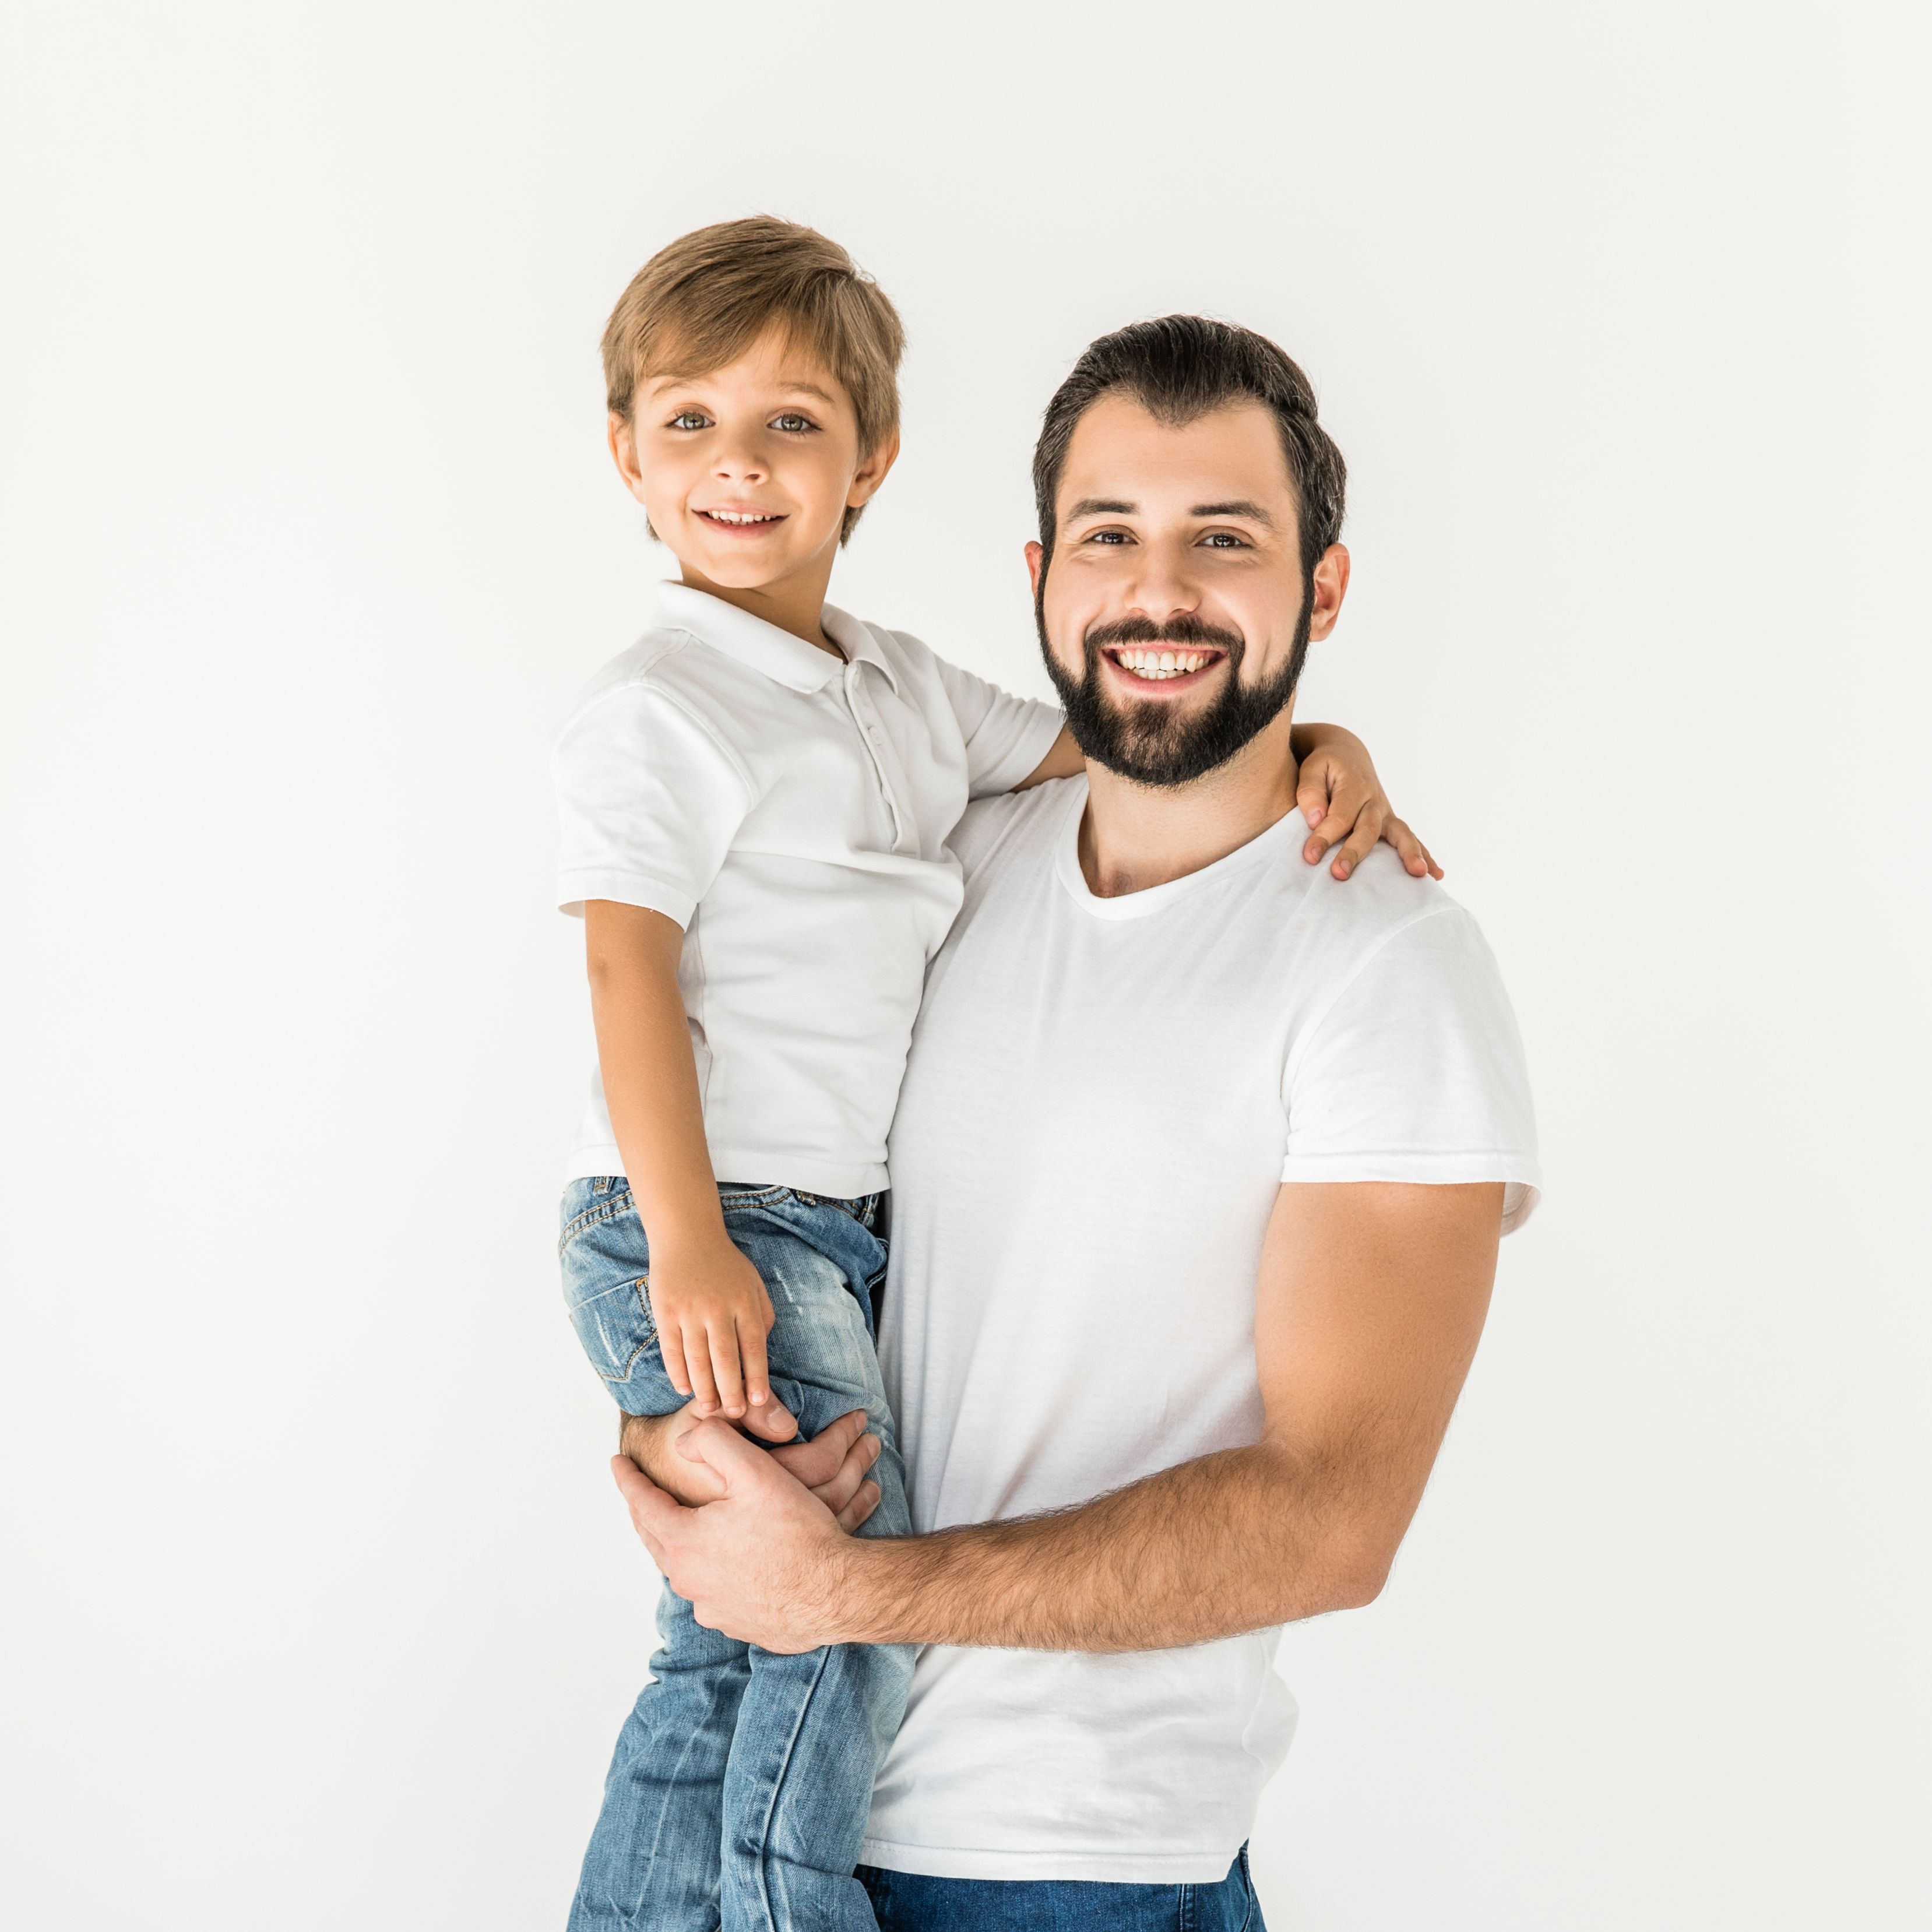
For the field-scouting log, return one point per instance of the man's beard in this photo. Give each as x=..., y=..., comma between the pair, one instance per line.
x=1155, y=742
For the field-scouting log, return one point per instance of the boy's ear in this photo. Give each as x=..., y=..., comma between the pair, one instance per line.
x=624, y=453
x=871, y=472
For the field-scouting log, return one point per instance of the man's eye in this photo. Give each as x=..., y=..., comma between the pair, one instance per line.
x=792, y=420
x=690, y=419
x=1111, y=537
x=1223, y=540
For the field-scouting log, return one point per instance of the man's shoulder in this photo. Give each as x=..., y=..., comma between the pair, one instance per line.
x=1339, y=924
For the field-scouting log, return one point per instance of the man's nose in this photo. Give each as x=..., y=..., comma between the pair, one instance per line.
x=1161, y=587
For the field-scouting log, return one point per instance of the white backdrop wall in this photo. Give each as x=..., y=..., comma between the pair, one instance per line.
x=321, y=1610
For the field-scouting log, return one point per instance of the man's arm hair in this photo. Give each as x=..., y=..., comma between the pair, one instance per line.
x=1369, y=1302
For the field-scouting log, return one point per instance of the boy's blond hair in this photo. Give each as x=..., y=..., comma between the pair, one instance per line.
x=701, y=301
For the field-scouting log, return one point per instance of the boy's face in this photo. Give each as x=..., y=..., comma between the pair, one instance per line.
x=747, y=471
x=1174, y=612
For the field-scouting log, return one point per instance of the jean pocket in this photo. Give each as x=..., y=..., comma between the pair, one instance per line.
x=607, y=1283
x=615, y=1326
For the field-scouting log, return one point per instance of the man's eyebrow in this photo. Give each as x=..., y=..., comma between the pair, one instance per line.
x=1253, y=512
x=1101, y=506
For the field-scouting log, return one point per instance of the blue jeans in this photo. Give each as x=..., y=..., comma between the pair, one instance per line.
x=906, y=1902
x=739, y=1792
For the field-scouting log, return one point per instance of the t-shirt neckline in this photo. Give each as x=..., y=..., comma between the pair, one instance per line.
x=1156, y=899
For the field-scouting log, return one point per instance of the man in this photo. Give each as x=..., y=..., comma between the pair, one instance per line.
x=1199, y=1169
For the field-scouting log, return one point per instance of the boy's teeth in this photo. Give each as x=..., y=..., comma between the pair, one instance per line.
x=739, y=517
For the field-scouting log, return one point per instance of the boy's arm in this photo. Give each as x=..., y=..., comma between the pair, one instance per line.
x=1369, y=1300
x=1337, y=789
x=710, y=1307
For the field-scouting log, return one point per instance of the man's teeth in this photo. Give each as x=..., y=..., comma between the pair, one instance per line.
x=740, y=517
x=1155, y=664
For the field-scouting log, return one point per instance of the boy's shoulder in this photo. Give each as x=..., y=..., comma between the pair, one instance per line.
x=669, y=667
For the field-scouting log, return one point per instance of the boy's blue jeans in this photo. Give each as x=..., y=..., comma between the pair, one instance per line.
x=739, y=1792
x=907, y=1903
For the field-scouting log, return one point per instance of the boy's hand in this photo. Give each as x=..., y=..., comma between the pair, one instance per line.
x=1344, y=803
x=712, y=1315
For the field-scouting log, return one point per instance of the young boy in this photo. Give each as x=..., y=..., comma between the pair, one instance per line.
x=754, y=801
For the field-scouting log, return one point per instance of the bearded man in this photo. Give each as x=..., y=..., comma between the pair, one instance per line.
x=1199, y=1169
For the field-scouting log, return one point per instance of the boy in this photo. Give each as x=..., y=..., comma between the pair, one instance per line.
x=754, y=801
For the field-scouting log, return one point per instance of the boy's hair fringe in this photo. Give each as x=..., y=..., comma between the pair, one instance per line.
x=701, y=301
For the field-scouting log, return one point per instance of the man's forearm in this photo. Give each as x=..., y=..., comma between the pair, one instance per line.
x=1240, y=1540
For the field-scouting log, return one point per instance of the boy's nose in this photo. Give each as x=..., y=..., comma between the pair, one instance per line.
x=739, y=466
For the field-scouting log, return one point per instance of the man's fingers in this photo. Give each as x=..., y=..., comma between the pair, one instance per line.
x=861, y=1506
x=850, y=1475
x=653, y=1514
x=721, y=1338
x=818, y=1461
x=771, y=1422
x=732, y=1455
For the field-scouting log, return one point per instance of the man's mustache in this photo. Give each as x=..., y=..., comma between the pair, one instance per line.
x=1184, y=630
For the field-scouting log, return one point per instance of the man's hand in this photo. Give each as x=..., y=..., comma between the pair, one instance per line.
x=835, y=1465
x=1344, y=803
x=760, y=1563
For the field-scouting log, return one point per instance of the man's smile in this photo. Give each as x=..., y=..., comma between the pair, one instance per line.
x=1163, y=669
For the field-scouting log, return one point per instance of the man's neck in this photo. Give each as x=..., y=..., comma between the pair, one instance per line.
x=1133, y=836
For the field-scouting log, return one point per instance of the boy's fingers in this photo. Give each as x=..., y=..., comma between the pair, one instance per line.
x=670, y=1346
x=1360, y=843
x=1414, y=854
x=758, y=1372
x=697, y=1365
x=1311, y=790
x=722, y=1340
x=1346, y=811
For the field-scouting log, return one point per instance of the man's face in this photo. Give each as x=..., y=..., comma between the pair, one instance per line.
x=1173, y=612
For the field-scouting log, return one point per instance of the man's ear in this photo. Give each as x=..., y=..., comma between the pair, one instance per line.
x=1331, y=586
x=624, y=453
x=1036, y=557
x=872, y=473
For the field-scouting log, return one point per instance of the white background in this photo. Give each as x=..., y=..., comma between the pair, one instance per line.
x=321, y=1610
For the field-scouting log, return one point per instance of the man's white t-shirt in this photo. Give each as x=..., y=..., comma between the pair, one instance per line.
x=791, y=812
x=1102, y=1099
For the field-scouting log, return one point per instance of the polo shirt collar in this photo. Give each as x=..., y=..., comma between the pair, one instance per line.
x=785, y=659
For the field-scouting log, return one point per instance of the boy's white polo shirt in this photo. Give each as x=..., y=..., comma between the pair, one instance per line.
x=791, y=812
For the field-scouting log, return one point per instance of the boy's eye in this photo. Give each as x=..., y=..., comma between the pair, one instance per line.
x=792, y=420
x=690, y=419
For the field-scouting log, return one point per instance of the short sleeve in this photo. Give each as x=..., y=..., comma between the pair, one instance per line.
x=648, y=803
x=1006, y=737
x=1416, y=1073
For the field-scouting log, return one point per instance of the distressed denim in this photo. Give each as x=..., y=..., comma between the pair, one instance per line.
x=908, y=1902
x=738, y=1794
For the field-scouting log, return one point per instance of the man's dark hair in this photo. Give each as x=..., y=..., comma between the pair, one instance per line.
x=1179, y=367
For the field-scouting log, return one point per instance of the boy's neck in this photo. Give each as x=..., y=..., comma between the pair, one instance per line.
x=796, y=603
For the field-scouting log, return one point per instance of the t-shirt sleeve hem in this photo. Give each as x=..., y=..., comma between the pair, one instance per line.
x=1521, y=1179
x=635, y=889
x=1035, y=739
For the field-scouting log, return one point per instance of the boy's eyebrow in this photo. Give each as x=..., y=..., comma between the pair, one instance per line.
x=672, y=377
